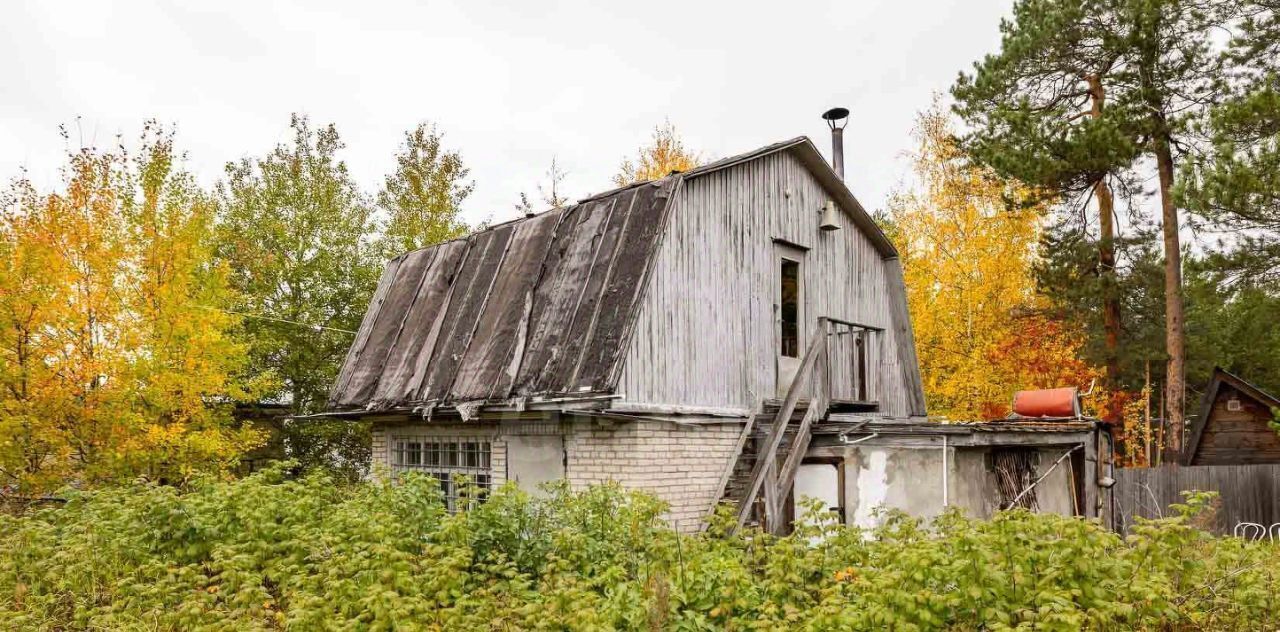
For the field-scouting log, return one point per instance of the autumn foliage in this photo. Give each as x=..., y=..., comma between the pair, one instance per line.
x=664, y=154
x=968, y=241
x=117, y=359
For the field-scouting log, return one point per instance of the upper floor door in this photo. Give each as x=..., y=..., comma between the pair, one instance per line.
x=789, y=312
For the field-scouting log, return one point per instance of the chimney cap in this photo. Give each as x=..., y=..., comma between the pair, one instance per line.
x=835, y=114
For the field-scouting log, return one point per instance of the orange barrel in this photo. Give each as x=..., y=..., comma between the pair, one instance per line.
x=1049, y=402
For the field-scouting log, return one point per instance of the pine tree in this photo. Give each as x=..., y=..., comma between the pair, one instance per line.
x=1159, y=72
x=1235, y=184
x=1039, y=114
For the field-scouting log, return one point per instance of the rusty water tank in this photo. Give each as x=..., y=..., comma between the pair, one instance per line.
x=1052, y=403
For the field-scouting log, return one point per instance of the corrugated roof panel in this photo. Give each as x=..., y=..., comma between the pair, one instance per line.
x=487, y=360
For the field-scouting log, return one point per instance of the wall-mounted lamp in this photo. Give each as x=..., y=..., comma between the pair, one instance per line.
x=830, y=217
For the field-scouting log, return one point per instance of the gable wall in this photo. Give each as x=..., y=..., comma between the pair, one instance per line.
x=705, y=333
x=1237, y=437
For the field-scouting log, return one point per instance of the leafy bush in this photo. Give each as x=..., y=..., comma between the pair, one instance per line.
x=268, y=552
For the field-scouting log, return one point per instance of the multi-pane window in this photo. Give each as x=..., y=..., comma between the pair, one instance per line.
x=456, y=462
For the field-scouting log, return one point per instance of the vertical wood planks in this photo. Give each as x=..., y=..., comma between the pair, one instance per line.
x=1247, y=493
x=706, y=334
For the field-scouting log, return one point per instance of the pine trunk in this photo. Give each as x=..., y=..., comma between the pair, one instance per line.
x=1174, y=342
x=1107, y=258
x=1107, y=267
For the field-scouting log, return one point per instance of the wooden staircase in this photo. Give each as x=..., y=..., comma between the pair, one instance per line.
x=836, y=373
x=776, y=456
x=739, y=481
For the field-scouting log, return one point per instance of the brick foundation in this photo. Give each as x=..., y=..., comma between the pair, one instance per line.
x=680, y=463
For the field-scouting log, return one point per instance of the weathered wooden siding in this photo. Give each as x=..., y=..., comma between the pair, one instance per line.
x=705, y=335
x=1237, y=437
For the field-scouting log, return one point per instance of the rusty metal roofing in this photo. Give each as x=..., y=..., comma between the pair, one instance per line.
x=535, y=307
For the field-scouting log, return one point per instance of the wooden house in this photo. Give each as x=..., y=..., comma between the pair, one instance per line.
x=685, y=336
x=1234, y=426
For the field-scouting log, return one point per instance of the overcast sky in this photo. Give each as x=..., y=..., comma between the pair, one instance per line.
x=510, y=84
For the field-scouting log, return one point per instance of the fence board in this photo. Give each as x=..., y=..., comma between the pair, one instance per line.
x=1247, y=493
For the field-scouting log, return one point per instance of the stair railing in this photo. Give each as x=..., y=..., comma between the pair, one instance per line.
x=766, y=475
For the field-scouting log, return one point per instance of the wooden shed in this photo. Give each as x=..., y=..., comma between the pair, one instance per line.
x=1234, y=426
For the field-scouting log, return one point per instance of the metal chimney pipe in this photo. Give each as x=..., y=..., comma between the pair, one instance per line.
x=836, y=119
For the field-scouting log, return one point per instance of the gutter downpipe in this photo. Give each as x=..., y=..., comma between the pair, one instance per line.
x=945, y=500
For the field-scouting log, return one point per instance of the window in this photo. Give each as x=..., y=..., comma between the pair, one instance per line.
x=789, y=306
x=860, y=364
x=456, y=462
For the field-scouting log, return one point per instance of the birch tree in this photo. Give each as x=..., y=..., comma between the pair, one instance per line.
x=422, y=199
x=664, y=154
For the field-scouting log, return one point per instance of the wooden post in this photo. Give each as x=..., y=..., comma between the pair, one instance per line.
x=1160, y=433
x=1091, y=474
x=1146, y=424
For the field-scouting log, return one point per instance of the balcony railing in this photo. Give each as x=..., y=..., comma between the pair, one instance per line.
x=853, y=352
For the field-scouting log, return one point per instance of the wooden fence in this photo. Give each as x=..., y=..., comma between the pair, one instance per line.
x=1247, y=494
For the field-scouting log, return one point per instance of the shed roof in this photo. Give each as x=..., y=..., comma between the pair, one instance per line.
x=537, y=307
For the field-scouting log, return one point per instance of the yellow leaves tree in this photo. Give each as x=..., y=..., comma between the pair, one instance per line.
x=968, y=241
x=117, y=359
x=664, y=154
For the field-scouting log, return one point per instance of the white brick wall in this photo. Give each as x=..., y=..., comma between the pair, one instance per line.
x=680, y=463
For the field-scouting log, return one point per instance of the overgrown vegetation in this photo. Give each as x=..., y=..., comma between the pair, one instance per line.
x=267, y=552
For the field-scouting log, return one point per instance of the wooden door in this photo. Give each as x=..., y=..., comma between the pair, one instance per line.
x=789, y=313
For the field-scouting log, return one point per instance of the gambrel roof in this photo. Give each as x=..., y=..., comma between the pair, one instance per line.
x=540, y=307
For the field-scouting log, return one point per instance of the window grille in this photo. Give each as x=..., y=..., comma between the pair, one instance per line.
x=456, y=462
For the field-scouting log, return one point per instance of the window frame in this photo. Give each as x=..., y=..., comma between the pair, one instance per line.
x=784, y=253
x=453, y=460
